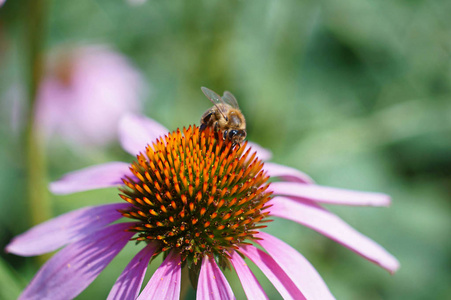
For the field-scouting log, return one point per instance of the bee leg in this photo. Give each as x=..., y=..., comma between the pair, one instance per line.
x=216, y=130
x=205, y=120
x=206, y=117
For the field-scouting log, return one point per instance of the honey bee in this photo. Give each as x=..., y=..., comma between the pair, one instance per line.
x=225, y=115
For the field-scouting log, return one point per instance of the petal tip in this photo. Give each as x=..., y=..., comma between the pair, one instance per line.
x=57, y=188
x=13, y=248
x=53, y=187
x=388, y=262
x=7, y=249
x=382, y=200
x=393, y=267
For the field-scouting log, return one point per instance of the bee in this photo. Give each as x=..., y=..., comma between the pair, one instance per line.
x=225, y=115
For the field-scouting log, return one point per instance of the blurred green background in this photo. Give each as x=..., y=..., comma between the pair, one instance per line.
x=355, y=93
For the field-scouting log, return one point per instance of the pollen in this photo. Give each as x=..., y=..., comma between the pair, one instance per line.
x=197, y=194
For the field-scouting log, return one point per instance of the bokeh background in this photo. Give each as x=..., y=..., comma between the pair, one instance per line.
x=355, y=93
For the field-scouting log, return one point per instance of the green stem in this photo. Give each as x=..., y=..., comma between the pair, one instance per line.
x=186, y=283
x=38, y=197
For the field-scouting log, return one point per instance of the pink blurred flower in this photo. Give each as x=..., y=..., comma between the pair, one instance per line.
x=84, y=93
x=2, y=2
x=154, y=202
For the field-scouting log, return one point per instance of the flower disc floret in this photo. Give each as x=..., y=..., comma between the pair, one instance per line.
x=198, y=194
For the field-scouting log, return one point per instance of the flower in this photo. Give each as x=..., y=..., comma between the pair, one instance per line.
x=203, y=204
x=96, y=85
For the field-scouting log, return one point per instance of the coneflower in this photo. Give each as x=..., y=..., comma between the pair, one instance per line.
x=201, y=203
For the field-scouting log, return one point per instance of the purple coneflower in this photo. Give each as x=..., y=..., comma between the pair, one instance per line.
x=202, y=204
x=84, y=93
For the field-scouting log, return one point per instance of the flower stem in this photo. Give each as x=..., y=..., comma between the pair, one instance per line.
x=38, y=198
x=186, y=284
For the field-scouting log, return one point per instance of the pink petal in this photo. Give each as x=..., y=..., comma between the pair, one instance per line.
x=165, y=282
x=287, y=173
x=212, y=283
x=262, y=153
x=65, y=229
x=328, y=224
x=303, y=274
x=250, y=284
x=281, y=281
x=136, y=132
x=329, y=195
x=129, y=283
x=95, y=177
x=72, y=269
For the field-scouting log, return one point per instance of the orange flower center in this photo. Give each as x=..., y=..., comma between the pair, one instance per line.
x=195, y=193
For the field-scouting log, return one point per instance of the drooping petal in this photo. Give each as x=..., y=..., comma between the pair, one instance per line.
x=95, y=177
x=299, y=269
x=64, y=229
x=250, y=284
x=136, y=132
x=328, y=224
x=281, y=281
x=165, y=282
x=129, y=282
x=212, y=283
x=286, y=173
x=73, y=268
x=329, y=195
x=262, y=153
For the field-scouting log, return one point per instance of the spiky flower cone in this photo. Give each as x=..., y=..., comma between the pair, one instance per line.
x=195, y=193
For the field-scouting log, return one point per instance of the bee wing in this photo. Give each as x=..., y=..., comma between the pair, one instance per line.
x=230, y=99
x=215, y=99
